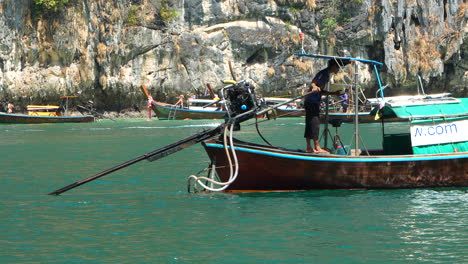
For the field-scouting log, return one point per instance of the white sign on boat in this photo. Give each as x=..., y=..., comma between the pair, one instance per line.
x=439, y=133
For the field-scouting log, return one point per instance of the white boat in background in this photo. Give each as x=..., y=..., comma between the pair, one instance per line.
x=196, y=109
x=292, y=109
x=407, y=99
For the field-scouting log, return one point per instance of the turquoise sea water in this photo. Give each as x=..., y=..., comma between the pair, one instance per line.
x=143, y=213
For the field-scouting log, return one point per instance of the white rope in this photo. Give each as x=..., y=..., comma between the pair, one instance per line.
x=232, y=174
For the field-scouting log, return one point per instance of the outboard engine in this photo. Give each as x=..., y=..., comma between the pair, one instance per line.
x=240, y=98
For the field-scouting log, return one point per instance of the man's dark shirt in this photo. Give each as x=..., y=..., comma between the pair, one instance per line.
x=320, y=79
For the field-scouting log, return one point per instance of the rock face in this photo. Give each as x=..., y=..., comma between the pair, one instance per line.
x=104, y=50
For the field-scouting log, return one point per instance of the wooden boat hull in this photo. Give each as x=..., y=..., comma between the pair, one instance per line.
x=276, y=169
x=163, y=111
x=26, y=119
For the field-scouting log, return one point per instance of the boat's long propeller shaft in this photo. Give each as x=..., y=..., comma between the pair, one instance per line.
x=179, y=145
x=150, y=156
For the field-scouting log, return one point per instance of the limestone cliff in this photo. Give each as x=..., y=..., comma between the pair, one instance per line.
x=104, y=50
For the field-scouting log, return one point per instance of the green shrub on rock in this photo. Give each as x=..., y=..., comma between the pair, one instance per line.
x=50, y=5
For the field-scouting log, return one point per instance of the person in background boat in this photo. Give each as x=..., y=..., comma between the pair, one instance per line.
x=180, y=102
x=312, y=105
x=192, y=96
x=149, y=104
x=344, y=100
x=10, y=107
x=216, y=98
x=90, y=106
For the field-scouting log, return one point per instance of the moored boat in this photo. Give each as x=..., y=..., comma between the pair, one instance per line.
x=197, y=109
x=30, y=119
x=262, y=167
x=45, y=114
x=289, y=109
x=295, y=109
x=433, y=152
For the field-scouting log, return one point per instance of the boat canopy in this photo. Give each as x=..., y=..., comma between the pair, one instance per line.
x=338, y=58
x=423, y=109
x=346, y=60
x=42, y=107
x=436, y=125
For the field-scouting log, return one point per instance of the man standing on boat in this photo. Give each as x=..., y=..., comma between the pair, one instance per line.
x=312, y=105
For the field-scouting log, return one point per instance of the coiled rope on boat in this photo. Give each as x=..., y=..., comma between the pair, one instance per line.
x=233, y=167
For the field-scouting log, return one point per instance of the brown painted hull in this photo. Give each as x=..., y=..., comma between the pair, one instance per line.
x=163, y=111
x=26, y=119
x=266, y=168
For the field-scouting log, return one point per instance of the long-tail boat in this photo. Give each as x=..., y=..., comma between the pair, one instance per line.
x=433, y=152
x=289, y=109
x=28, y=119
x=295, y=109
x=204, y=109
x=45, y=114
x=196, y=109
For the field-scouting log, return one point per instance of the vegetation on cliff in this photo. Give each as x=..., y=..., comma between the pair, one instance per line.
x=44, y=7
x=167, y=13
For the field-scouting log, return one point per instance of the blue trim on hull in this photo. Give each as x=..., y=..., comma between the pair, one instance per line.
x=45, y=117
x=347, y=158
x=338, y=58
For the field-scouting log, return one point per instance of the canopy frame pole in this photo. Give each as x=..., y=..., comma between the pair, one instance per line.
x=379, y=81
x=356, y=111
